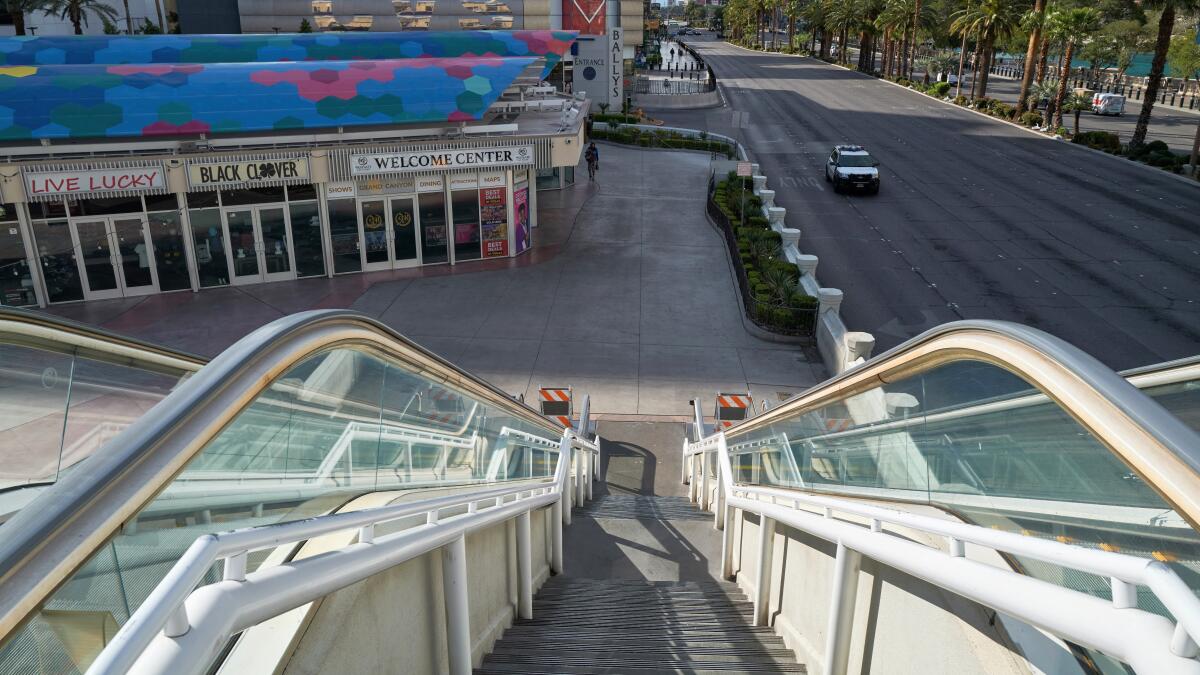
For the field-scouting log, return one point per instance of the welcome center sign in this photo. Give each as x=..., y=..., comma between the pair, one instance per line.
x=441, y=160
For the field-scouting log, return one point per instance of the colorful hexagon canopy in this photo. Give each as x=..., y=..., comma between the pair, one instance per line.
x=97, y=101
x=550, y=45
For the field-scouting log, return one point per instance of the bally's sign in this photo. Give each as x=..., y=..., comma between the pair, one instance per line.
x=440, y=160
x=240, y=173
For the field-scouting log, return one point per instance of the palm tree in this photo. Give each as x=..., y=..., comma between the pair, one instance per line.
x=18, y=9
x=990, y=20
x=1166, y=24
x=77, y=11
x=1071, y=26
x=1032, y=22
x=1046, y=90
x=1076, y=103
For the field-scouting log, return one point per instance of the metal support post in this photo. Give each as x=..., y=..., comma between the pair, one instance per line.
x=581, y=478
x=524, y=568
x=762, y=594
x=841, y=609
x=458, y=617
x=693, y=480
x=556, y=538
x=593, y=463
x=731, y=520
x=568, y=492
x=704, y=491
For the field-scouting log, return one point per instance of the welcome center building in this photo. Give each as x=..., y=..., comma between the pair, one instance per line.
x=132, y=165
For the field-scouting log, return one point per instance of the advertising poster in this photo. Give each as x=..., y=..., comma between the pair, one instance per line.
x=493, y=218
x=521, y=209
x=585, y=16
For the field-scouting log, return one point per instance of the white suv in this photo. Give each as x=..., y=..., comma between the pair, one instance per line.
x=852, y=167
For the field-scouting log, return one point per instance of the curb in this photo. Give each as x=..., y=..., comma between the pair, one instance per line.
x=1156, y=170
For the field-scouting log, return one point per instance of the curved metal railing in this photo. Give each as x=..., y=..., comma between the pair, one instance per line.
x=41, y=547
x=756, y=469
x=1157, y=445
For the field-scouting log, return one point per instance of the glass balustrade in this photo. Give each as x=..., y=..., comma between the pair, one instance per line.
x=337, y=425
x=980, y=442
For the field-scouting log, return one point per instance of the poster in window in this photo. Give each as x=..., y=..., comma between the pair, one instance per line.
x=521, y=209
x=493, y=212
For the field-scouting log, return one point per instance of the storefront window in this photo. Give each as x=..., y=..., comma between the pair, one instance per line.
x=57, y=254
x=212, y=266
x=260, y=194
x=202, y=200
x=299, y=193
x=547, y=179
x=16, y=284
x=47, y=210
x=432, y=209
x=107, y=206
x=465, y=207
x=306, y=237
x=166, y=235
x=343, y=235
x=568, y=174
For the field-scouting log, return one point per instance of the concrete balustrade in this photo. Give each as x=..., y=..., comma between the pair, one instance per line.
x=806, y=263
x=775, y=216
x=791, y=239
x=831, y=300
x=767, y=197
x=760, y=183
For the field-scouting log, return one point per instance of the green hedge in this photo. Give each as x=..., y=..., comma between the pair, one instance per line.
x=660, y=139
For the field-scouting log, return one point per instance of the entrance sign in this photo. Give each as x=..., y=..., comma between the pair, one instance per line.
x=239, y=173
x=493, y=219
x=129, y=179
x=441, y=160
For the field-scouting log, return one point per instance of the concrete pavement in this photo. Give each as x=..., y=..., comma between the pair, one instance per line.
x=628, y=296
x=976, y=218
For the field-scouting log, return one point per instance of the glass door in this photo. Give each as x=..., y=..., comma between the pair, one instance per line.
x=134, y=255
x=260, y=242
x=95, y=259
x=432, y=211
x=404, y=232
x=239, y=232
x=274, y=238
x=373, y=232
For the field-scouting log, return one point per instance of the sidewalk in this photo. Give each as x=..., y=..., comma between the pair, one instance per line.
x=627, y=297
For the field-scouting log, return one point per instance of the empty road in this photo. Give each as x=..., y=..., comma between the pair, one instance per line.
x=976, y=218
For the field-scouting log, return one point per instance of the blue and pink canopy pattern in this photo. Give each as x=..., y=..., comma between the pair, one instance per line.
x=550, y=45
x=136, y=100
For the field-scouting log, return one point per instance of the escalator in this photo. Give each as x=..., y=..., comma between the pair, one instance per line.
x=998, y=425
x=1006, y=428
x=299, y=419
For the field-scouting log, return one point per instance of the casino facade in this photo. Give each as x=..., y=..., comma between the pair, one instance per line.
x=132, y=165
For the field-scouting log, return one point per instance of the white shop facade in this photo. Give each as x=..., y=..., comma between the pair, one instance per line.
x=109, y=227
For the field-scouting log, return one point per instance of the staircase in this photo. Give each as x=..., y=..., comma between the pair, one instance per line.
x=635, y=626
x=696, y=626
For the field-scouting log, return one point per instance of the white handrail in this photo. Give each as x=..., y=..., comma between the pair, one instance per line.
x=1118, y=628
x=165, y=618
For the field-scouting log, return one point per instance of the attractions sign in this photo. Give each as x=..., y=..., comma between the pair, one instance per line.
x=239, y=173
x=441, y=160
x=126, y=179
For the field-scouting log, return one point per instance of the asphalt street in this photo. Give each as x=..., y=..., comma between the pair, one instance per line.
x=975, y=219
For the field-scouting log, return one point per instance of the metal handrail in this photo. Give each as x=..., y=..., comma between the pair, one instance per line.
x=1154, y=443
x=52, y=333
x=156, y=637
x=1119, y=628
x=47, y=541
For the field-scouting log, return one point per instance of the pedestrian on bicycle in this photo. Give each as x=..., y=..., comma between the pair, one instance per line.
x=592, y=155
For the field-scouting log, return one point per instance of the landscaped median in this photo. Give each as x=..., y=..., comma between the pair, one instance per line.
x=770, y=285
x=631, y=134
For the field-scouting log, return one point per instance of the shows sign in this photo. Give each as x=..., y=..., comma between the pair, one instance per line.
x=129, y=179
x=233, y=173
x=440, y=160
